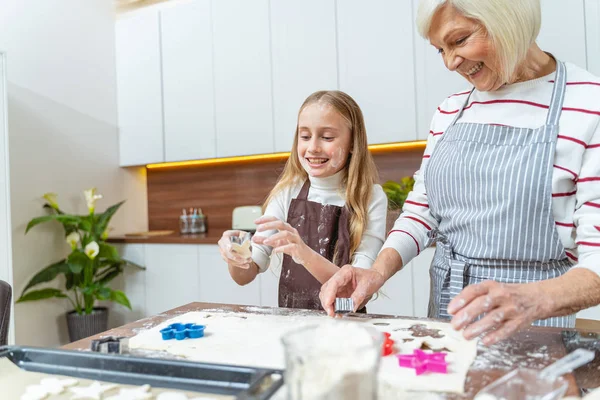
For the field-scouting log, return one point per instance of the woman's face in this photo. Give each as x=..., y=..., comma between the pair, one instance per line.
x=466, y=48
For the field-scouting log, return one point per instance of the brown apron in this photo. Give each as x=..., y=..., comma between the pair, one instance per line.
x=321, y=227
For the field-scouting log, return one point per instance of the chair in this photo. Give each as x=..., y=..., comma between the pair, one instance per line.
x=5, y=299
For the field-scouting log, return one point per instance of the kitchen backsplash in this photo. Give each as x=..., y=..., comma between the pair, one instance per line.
x=218, y=189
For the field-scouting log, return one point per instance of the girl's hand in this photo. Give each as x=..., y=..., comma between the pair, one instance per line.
x=228, y=254
x=286, y=241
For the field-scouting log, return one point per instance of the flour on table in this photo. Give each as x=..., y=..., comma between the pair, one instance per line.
x=179, y=396
x=255, y=341
x=94, y=391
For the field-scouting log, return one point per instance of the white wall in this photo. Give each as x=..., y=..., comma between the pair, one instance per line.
x=63, y=137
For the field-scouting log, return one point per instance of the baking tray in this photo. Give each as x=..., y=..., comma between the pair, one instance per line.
x=245, y=383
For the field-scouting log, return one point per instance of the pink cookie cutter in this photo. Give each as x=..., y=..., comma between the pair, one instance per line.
x=424, y=362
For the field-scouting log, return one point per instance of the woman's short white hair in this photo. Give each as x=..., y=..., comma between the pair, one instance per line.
x=513, y=26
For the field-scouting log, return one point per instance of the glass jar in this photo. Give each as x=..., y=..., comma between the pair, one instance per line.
x=337, y=360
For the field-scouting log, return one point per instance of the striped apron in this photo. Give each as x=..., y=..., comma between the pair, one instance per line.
x=490, y=186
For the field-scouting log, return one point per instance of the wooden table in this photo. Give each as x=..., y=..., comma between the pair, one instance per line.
x=532, y=348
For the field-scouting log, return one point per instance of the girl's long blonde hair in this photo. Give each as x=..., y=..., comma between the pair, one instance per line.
x=359, y=173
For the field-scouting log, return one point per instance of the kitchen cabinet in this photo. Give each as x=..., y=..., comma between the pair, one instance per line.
x=172, y=276
x=188, y=81
x=139, y=89
x=229, y=76
x=563, y=31
x=242, y=70
x=304, y=59
x=592, y=26
x=375, y=49
x=216, y=285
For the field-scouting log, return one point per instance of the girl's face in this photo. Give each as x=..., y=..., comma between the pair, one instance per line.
x=466, y=48
x=324, y=140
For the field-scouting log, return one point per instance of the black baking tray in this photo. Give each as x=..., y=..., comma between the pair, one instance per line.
x=245, y=383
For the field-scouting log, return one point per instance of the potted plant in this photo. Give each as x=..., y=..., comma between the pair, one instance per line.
x=396, y=193
x=88, y=269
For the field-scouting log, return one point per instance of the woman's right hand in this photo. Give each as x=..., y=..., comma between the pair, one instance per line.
x=357, y=283
x=228, y=254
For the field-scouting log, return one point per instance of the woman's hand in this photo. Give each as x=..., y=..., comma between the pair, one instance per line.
x=357, y=283
x=228, y=253
x=508, y=307
x=286, y=241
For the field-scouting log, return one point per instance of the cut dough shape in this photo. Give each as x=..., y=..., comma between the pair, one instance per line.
x=172, y=396
x=242, y=249
x=94, y=391
x=137, y=393
x=34, y=392
x=46, y=387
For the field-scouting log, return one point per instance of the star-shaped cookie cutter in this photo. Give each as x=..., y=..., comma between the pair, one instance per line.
x=424, y=362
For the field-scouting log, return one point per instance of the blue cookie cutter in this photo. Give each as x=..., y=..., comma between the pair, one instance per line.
x=182, y=331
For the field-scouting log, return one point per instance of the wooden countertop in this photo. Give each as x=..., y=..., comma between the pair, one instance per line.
x=531, y=348
x=211, y=237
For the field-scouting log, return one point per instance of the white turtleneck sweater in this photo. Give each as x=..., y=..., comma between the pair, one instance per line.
x=328, y=191
x=576, y=171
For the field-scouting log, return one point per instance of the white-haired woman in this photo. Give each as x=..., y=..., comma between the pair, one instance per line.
x=509, y=186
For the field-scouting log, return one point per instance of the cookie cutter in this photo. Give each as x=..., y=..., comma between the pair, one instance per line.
x=242, y=245
x=181, y=331
x=424, y=362
x=388, y=344
x=344, y=305
x=111, y=344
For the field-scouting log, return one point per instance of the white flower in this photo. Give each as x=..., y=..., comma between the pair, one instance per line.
x=51, y=199
x=90, y=199
x=92, y=250
x=73, y=239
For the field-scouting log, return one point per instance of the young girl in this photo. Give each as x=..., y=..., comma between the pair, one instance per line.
x=326, y=209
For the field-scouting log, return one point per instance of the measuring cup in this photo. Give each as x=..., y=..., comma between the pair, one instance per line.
x=335, y=360
x=529, y=384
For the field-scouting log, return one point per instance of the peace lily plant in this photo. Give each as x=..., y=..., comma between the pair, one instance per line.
x=92, y=263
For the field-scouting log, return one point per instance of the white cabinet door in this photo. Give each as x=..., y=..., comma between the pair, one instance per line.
x=172, y=278
x=396, y=296
x=269, y=282
x=139, y=93
x=421, y=281
x=433, y=80
x=188, y=84
x=563, y=30
x=375, y=48
x=216, y=285
x=133, y=283
x=304, y=59
x=242, y=68
x=592, y=25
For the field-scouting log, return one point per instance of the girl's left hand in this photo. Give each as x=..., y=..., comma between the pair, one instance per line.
x=287, y=240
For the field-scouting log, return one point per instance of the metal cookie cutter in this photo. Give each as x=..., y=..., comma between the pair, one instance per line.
x=111, y=344
x=242, y=245
x=182, y=331
x=344, y=305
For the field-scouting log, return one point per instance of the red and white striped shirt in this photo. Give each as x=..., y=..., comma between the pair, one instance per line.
x=576, y=173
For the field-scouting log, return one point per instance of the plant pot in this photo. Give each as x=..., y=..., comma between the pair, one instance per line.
x=392, y=216
x=82, y=326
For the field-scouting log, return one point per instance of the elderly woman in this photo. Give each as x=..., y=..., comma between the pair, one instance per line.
x=509, y=186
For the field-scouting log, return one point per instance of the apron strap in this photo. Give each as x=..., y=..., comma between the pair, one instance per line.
x=558, y=94
x=460, y=110
x=303, y=195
